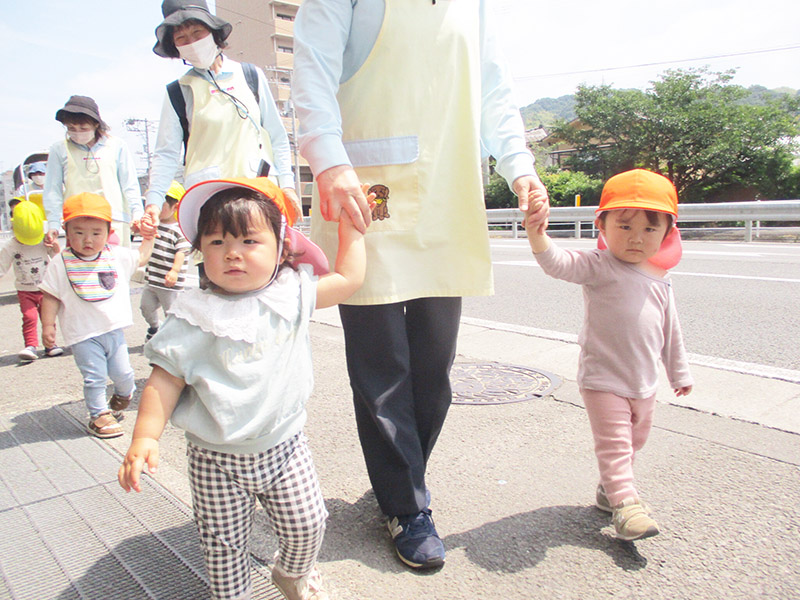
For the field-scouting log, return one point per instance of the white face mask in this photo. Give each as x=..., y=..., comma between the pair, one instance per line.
x=37, y=179
x=200, y=54
x=81, y=137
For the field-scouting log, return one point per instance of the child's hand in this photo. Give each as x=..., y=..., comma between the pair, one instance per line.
x=147, y=227
x=536, y=217
x=370, y=197
x=171, y=278
x=142, y=450
x=683, y=391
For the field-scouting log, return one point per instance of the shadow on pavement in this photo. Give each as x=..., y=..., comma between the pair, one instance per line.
x=521, y=541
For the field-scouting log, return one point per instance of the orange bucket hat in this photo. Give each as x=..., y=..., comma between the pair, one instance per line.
x=639, y=189
x=645, y=190
x=87, y=204
x=197, y=195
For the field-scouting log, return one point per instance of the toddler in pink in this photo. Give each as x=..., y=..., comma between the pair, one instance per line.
x=630, y=324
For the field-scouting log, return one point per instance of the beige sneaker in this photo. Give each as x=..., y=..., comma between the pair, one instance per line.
x=631, y=521
x=601, y=500
x=308, y=587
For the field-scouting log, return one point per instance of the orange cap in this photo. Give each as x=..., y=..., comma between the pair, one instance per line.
x=639, y=189
x=87, y=204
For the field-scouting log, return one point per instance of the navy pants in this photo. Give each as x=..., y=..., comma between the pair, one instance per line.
x=399, y=358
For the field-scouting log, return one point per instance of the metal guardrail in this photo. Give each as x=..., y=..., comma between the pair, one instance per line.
x=747, y=212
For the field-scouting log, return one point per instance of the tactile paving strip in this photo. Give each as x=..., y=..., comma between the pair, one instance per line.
x=497, y=383
x=68, y=531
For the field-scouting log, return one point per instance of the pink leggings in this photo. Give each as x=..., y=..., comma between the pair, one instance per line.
x=620, y=427
x=30, y=303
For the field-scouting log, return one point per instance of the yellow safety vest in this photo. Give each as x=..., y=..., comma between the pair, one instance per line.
x=95, y=171
x=411, y=128
x=221, y=142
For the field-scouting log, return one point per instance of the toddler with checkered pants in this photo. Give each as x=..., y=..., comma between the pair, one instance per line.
x=232, y=367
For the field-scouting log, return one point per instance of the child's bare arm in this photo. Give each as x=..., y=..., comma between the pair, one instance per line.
x=145, y=250
x=351, y=265
x=536, y=227
x=171, y=278
x=159, y=398
x=50, y=306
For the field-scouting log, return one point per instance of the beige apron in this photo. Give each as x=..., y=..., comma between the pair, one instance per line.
x=95, y=171
x=411, y=121
x=222, y=143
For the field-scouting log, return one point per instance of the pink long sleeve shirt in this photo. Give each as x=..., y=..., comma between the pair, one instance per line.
x=629, y=323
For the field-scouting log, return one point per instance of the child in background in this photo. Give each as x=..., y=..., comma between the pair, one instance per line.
x=87, y=286
x=166, y=270
x=630, y=322
x=30, y=258
x=232, y=367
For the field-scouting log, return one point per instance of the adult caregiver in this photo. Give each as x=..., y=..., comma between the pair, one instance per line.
x=220, y=109
x=90, y=159
x=403, y=95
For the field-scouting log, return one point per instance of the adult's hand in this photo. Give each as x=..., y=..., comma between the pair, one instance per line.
x=340, y=190
x=154, y=212
x=531, y=192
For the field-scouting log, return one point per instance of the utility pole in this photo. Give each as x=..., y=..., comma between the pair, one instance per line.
x=142, y=126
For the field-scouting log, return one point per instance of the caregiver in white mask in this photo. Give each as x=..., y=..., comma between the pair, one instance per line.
x=220, y=115
x=89, y=159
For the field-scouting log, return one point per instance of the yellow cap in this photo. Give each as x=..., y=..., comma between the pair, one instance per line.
x=175, y=191
x=28, y=223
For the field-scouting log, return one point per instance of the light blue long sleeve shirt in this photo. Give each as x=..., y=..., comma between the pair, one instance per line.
x=326, y=55
x=169, y=141
x=53, y=193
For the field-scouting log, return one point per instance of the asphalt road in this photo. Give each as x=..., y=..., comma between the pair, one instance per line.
x=736, y=301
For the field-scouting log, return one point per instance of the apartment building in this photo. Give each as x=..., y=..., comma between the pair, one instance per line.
x=263, y=34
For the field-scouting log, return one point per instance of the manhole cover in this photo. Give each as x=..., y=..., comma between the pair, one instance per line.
x=496, y=383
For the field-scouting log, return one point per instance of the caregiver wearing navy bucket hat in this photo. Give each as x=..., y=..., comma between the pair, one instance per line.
x=220, y=113
x=89, y=159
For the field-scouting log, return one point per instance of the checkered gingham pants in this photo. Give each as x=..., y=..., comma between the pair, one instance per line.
x=224, y=492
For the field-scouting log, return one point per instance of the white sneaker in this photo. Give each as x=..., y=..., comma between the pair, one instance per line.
x=28, y=354
x=308, y=587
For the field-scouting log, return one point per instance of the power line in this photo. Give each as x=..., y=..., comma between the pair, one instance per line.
x=655, y=64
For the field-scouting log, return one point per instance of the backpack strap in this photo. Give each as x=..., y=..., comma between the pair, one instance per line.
x=179, y=105
x=251, y=76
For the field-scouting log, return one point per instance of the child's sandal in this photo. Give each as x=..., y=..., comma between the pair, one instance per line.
x=105, y=426
x=118, y=403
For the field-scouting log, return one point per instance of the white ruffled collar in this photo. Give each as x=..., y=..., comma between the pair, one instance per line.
x=235, y=316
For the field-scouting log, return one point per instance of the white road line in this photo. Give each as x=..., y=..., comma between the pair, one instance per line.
x=533, y=263
x=746, y=368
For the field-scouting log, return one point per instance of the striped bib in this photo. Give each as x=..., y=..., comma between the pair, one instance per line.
x=92, y=280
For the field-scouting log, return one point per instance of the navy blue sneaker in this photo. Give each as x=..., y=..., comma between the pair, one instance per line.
x=416, y=541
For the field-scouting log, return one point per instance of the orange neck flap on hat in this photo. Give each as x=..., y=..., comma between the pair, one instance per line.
x=668, y=255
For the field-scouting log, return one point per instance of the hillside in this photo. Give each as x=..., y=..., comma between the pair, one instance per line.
x=546, y=111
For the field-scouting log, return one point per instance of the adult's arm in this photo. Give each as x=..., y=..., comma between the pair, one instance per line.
x=273, y=125
x=53, y=192
x=166, y=157
x=502, y=129
x=322, y=30
x=129, y=181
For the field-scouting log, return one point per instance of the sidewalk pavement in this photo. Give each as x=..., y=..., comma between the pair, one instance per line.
x=512, y=485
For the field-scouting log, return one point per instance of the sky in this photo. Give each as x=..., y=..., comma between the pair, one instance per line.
x=103, y=49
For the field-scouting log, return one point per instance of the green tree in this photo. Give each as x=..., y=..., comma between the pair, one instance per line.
x=693, y=126
x=563, y=186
